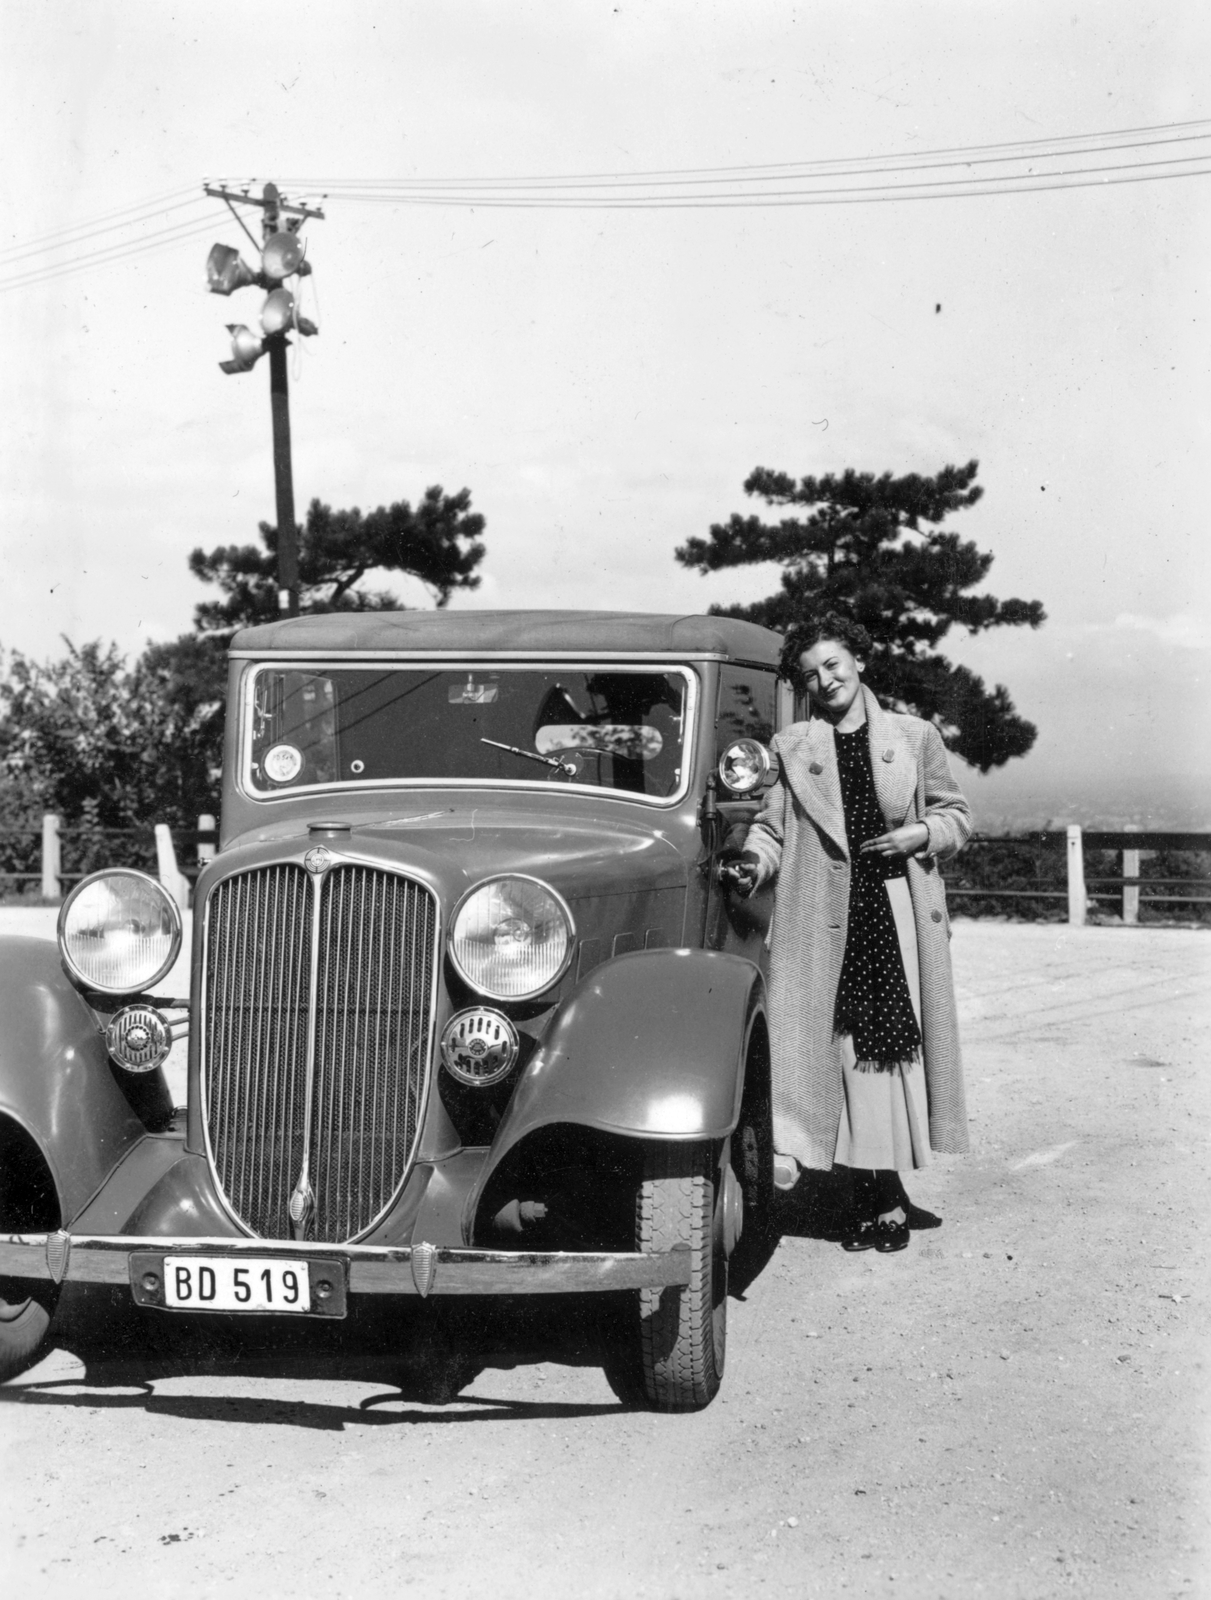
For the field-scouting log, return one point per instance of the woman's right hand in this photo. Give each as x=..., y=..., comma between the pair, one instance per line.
x=740, y=875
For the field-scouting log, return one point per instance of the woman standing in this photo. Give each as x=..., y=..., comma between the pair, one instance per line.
x=867, y=1072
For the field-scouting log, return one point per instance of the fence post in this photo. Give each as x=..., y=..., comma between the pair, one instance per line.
x=1076, y=878
x=52, y=857
x=205, y=851
x=170, y=874
x=1131, y=869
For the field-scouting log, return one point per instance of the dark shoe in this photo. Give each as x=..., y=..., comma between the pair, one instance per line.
x=862, y=1236
x=889, y=1236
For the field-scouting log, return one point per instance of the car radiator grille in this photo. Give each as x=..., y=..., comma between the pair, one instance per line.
x=348, y=961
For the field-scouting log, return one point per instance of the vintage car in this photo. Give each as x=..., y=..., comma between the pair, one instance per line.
x=474, y=1010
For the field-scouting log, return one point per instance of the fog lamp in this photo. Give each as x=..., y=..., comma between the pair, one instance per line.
x=479, y=1046
x=139, y=1039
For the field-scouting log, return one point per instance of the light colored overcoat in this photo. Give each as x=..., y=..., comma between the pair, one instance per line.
x=799, y=836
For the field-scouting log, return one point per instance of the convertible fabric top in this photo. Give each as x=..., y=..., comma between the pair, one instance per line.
x=470, y=632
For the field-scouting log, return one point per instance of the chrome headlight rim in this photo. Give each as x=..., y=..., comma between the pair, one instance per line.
x=81, y=979
x=764, y=766
x=522, y=997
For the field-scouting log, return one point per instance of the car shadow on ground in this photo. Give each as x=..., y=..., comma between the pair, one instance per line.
x=421, y=1364
x=397, y=1406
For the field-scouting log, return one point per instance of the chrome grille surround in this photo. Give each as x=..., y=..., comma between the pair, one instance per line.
x=318, y=998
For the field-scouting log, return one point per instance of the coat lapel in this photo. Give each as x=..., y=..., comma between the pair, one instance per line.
x=891, y=761
x=809, y=765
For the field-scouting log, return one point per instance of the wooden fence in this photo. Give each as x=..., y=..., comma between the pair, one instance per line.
x=1124, y=891
x=154, y=849
x=178, y=856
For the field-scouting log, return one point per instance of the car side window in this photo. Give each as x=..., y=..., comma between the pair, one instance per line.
x=748, y=706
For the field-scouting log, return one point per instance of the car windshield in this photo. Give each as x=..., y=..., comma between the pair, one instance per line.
x=614, y=728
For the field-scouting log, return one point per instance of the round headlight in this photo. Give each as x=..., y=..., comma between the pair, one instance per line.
x=119, y=932
x=512, y=938
x=744, y=766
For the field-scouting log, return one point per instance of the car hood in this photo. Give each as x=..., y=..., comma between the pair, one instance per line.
x=454, y=846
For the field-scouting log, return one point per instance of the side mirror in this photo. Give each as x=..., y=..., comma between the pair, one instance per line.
x=744, y=766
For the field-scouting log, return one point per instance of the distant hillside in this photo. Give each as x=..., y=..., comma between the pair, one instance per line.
x=1014, y=801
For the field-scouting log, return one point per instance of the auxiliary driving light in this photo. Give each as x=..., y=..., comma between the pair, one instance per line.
x=139, y=1039
x=479, y=1047
x=744, y=766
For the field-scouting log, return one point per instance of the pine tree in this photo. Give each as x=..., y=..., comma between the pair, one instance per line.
x=873, y=548
x=438, y=543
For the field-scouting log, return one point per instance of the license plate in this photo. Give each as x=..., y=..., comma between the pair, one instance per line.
x=274, y=1285
x=217, y=1283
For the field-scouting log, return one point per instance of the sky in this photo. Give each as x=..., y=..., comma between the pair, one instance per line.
x=604, y=380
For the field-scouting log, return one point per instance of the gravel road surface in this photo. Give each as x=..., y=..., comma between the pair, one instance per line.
x=1016, y=1406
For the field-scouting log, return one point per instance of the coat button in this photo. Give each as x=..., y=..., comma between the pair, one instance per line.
x=889, y=755
x=936, y=915
x=815, y=769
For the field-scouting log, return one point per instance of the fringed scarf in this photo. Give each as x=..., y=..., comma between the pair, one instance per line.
x=873, y=1002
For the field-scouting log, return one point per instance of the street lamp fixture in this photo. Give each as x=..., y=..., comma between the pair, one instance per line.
x=246, y=349
x=226, y=271
x=282, y=256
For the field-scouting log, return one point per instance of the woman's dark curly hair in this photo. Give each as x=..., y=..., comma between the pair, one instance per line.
x=824, y=625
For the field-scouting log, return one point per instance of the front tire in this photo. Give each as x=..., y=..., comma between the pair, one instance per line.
x=669, y=1352
x=28, y=1204
x=24, y=1326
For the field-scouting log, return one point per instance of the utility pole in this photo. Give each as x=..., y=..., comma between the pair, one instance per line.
x=283, y=466
x=281, y=257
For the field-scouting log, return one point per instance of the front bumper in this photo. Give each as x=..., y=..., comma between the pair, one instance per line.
x=419, y=1269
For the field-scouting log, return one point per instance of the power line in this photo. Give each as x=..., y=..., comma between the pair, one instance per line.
x=918, y=189
x=799, y=183
x=106, y=256
x=1064, y=145
x=108, y=222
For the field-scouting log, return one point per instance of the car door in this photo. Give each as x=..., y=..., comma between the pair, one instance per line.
x=752, y=704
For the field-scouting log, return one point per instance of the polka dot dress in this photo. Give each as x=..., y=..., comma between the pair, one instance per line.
x=873, y=1002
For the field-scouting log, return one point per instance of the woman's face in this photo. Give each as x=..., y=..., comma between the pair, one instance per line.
x=831, y=673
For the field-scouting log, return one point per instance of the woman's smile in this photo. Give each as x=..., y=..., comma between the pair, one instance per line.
x=833, y=677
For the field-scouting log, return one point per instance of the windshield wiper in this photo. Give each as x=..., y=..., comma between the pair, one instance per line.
x=565, y=767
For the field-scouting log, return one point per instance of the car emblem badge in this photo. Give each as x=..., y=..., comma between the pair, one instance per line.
x=424, y=1267
x=58, y=1253
x=317, y=860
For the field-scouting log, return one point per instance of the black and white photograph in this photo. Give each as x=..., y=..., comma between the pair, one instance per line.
x=605, y=800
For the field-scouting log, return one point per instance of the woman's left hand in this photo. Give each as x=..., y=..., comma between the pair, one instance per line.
x=905, y=841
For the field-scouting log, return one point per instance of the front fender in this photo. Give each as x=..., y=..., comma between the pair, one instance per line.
x=651, y=1045
x=56, y=1080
